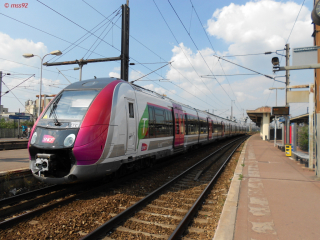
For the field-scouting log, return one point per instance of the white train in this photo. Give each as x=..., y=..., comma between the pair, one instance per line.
x=95, y=127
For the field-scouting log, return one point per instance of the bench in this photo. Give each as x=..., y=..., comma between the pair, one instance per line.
x=281, y=147
x=302, y=157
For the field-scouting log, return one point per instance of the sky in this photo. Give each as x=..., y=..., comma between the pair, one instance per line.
x=182, y=39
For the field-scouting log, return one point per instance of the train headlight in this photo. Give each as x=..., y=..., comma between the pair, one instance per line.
x=69, y=140
x=34, y=137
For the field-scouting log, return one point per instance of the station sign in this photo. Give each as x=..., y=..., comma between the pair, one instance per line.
x=19, y=117
x=284, y=111
x=19, y=114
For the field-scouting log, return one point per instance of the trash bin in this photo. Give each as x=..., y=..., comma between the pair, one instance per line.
x=288, y=150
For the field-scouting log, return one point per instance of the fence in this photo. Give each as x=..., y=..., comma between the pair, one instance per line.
x=9, y=133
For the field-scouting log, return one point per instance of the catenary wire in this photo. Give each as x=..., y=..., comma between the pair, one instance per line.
x=77, y=24
x=198, y=48
x=214, y=51
x=185, y=54
x=142, y=45
x=44, y=32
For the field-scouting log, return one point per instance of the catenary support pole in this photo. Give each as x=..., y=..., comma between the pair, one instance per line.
x=311, y=124
x=125, y=42
x=0, y=91
x=317, y=104
x=287, y=89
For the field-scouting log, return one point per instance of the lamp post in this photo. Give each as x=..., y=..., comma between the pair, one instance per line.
x=280, y=88
x=30, y=55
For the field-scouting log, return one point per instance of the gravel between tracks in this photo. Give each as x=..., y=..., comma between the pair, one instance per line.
x=78, y=218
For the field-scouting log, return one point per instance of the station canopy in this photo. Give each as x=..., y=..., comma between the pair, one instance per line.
x=304, y=118
x=257, y=115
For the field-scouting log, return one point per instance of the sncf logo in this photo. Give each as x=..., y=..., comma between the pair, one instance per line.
x=144, y=147
x=48, y=139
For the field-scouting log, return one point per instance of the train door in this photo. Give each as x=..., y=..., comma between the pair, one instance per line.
x=209, y=128
x=178, y=127
x=131, y=125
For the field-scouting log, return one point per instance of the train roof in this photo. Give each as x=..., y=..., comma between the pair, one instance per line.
x=96, y=83
x=99, y=83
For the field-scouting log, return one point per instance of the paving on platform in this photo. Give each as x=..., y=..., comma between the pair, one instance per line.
x=13, y=139
x=11, y=160
x=271, y=197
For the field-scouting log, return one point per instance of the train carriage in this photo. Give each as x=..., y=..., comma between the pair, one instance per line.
x=94, y=127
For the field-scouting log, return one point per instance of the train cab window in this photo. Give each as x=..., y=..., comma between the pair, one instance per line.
x=131, y=112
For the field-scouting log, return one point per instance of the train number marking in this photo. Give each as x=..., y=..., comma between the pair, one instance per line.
x=75, y=124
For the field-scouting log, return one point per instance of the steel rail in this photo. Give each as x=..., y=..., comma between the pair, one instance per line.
x=38, y=199
x=27, y=195
x=113, y=222
x=22, y=217
x=183, y=225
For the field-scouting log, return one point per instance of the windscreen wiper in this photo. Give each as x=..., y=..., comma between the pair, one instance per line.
x=53, y=111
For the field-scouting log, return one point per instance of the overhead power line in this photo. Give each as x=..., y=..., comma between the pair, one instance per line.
x=147, y=49
x=206, y=34
x=197, y=48
x=77, y=25
x=249, y=54
x=33, y=67
x=185, y=56
x=18, y=85
x=267, y=76
x=45, y=32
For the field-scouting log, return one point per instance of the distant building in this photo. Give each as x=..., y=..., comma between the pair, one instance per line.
x=3, y=110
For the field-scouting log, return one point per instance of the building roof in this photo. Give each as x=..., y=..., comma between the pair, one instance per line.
x=304, y=118
x=256, y=115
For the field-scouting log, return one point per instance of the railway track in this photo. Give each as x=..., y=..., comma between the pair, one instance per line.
x=167, y=212
x=76, y=213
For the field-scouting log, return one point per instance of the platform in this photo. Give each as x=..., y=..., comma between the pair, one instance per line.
x=271, y=197
x=13, y=143
x=11, y=160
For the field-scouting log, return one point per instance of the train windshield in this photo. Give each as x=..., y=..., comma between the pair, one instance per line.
x=70, y=105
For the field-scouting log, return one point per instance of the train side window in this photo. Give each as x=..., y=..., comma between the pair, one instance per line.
x=152, y=132
x=212, y=127
x=177, y=123
x=131, y=112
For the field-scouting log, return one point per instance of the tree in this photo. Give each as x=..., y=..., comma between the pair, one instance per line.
x=303, y=138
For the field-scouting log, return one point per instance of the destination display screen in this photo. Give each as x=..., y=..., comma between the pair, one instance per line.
x=280, y=111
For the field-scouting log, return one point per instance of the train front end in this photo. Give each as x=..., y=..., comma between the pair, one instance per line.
x=69, y=136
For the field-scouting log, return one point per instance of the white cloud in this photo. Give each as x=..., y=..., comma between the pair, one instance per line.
x=11, y=55
x=134, y=75
x=159, y=90
x=255, y=27
x=114, y=74
x=188, y=67
x=13, y=49
x=261, y=26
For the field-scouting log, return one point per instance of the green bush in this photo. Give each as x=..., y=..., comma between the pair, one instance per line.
x=303, y=139
x=13, y=124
